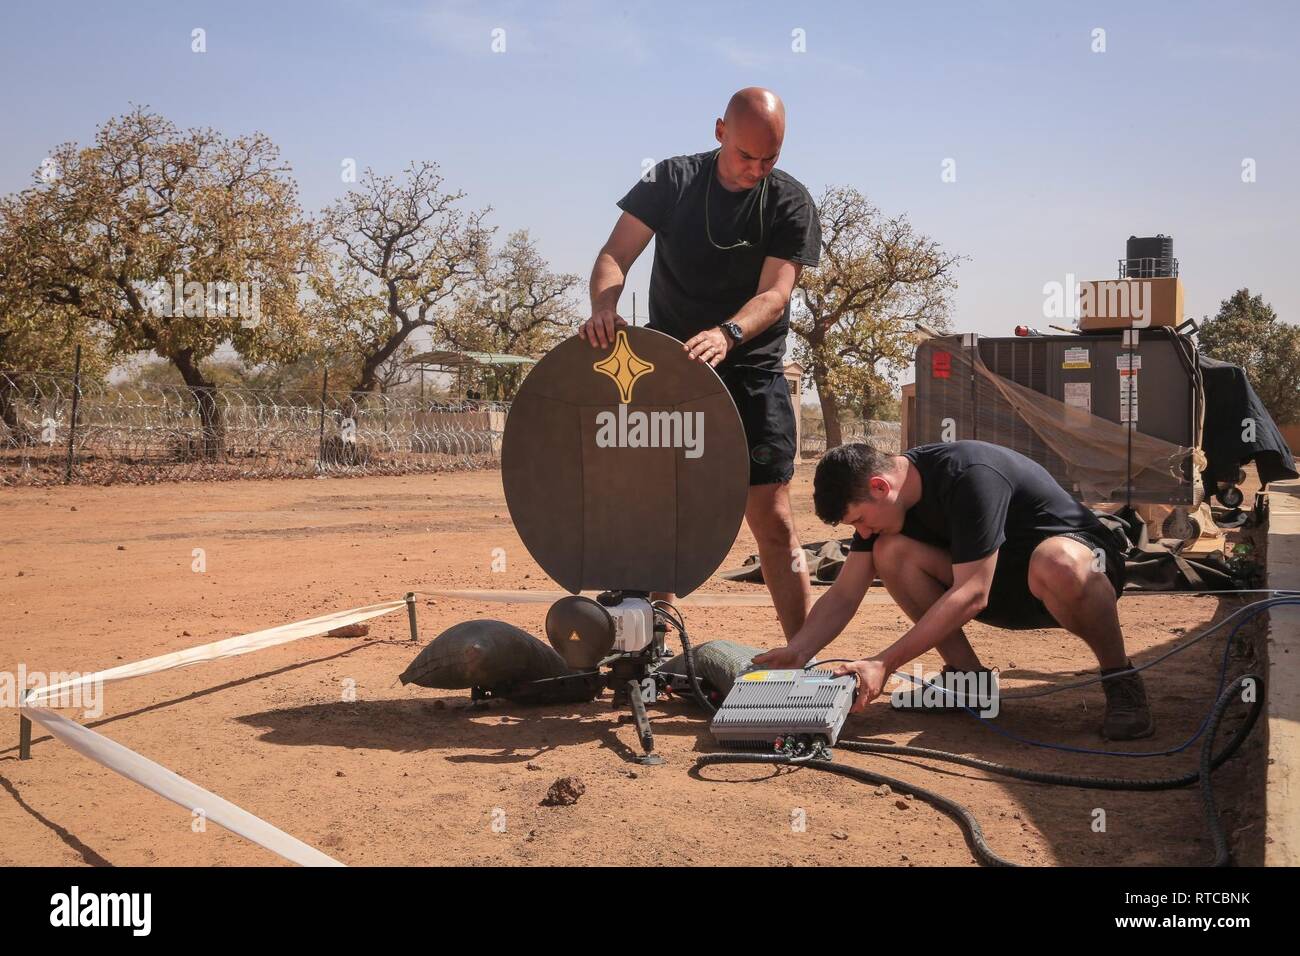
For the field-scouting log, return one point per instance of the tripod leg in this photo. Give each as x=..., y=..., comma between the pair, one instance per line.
x=642, y=724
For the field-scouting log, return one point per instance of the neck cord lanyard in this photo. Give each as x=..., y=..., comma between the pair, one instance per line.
x=762, y=206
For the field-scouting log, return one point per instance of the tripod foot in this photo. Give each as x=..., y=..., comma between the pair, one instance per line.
x=643, y=730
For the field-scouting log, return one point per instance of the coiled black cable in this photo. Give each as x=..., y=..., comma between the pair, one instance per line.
x=1076, y=780
x=1209, y=762
x=970, y=826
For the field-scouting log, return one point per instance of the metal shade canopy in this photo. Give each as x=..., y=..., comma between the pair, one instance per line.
x=625, y=467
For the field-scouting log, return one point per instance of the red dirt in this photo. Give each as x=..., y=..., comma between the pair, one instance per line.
x=404, y=775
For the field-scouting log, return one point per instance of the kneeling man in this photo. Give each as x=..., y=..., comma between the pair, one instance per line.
x=960, y=531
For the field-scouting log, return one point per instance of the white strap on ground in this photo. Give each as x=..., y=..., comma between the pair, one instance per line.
x=230, y=647
x=176, y=788
x=158, y=778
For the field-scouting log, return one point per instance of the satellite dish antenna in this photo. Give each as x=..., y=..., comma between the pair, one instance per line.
x=626, y=471
x=625, y=468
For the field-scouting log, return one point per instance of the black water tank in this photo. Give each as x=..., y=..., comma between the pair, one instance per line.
x=1150, y=257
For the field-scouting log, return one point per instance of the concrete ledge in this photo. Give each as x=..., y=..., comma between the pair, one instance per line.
x=1282, y=787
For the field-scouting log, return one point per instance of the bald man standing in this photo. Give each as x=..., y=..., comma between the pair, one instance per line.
x=731, y=233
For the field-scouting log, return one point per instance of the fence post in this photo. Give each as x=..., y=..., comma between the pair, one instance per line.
x=410, y=614
x=72, y=429
x=320, y=444
x=24, y=733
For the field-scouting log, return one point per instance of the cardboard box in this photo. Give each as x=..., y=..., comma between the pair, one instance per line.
x=1110, y=304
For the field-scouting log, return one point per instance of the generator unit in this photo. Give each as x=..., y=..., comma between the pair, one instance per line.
x=768, y=708
x=1162, y=393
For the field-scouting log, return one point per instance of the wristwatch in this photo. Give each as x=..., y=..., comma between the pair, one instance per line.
x=733, y=332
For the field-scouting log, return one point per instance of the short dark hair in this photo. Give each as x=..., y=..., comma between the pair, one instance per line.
x=844, y=476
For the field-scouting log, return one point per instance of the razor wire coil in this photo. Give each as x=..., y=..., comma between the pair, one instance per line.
x=150, y=433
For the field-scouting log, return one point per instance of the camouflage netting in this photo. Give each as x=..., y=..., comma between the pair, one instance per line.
x=1091, y=452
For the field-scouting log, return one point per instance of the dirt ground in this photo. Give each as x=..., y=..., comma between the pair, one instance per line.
x=91, y=577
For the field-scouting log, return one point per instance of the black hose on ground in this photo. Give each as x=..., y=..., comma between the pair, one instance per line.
x=965, y=819
x=688, y=653
x=1209, y=762
x=1076, y=780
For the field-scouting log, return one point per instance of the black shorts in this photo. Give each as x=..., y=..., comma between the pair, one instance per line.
x=1013, y=606
x=763, y=399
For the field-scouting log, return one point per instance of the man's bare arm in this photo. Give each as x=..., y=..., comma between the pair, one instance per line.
x=968, y=596
x=775, y=285
x=627, y=241
x=829, y=616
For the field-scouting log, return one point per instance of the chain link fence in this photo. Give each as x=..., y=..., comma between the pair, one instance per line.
x=887, y=436
x=53, y=431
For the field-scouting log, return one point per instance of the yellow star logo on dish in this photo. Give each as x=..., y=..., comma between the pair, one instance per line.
x=624, y=367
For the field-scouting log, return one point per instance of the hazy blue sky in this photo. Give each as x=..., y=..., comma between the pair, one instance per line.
x=1061, y=153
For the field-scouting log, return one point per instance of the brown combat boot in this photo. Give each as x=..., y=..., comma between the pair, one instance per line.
x=1128, y=717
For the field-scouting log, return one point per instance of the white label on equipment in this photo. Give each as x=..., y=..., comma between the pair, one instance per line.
x=1079, y=395
x=1128, y=396
x=1076, y=358
x=1121, y=362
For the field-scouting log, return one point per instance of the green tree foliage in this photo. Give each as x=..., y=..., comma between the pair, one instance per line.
x=400, y=249
x=856, y=313
x=515, y=306
x=1247, y=332
x=108, y=234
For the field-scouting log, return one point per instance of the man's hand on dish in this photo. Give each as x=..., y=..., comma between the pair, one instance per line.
x=600, y=330
x=711, y=346
x=871, y=676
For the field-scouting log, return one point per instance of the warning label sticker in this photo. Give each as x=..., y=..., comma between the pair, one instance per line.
x=1121, y=362
x=1128, y=395
x=770, y=675
x=1079, y=395
x=1076, y=358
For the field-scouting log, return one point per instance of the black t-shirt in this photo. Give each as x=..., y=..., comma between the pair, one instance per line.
x=694, y=286
x=977, y=497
